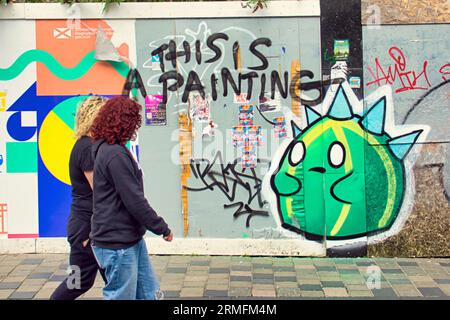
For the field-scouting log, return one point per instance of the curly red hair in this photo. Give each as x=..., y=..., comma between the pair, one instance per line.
x=117, y=121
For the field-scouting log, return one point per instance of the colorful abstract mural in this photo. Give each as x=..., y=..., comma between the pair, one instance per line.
x=39, y=119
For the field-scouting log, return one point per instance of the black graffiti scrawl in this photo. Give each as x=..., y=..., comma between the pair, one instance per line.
x=231, y=180
x=269, y=80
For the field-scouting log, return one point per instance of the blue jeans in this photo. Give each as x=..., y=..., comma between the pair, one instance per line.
x=128, y=272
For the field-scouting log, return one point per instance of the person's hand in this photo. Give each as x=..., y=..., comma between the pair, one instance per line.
x=169, y=237
x=85, y=243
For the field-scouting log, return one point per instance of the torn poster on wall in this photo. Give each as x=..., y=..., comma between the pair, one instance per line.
x=199, y=107
x=155, y=110
x=210, y=129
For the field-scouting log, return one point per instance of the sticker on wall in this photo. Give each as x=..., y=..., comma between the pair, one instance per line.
x=341, y=49
x=246, y=115
x=244, y=136
x=241, y=98
x=247, y=139
x=249, y=158
x=280, y=127
x=355, y=82
x=155, y=110
x=254, y=136
x=155, y=63
x=199, y=107
x=209, y=130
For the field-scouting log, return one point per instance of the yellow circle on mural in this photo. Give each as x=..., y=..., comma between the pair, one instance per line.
x=56, y=138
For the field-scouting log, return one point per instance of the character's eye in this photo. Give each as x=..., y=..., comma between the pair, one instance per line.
x=297, y=153
x=336, y=154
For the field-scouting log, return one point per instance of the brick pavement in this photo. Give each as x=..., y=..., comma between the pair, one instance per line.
x=35, y=276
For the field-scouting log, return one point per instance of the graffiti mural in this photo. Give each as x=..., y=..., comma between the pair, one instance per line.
x=231, y=80
x=343, y=175
x=308, y=129
x=414, y=64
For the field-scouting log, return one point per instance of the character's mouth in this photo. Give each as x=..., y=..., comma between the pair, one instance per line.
x=333, y=194
x=318, y=169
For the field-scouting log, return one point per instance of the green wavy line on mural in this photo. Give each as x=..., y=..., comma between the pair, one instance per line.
x=55, y=67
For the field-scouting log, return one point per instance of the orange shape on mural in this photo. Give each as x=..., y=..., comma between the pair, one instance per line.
x=69, y=44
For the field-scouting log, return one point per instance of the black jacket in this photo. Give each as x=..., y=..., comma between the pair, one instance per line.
x=121, y=212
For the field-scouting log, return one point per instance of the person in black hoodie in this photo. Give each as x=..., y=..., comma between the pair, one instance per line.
x=81, y=166
x=122, y=214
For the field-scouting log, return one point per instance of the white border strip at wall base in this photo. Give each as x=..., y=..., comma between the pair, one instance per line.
x=163, y=10
x=240, y=247
x=16, y=246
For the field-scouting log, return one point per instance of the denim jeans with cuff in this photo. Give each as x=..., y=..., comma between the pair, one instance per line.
x=128, y=272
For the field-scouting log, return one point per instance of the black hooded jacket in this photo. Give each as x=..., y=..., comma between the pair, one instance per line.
x=122, y=214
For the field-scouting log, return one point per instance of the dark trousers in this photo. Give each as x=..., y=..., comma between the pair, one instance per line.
x=83, y=260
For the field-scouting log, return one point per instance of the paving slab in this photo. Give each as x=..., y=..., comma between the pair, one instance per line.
x=31, y=276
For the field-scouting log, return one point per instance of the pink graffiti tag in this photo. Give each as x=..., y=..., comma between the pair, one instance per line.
x=408, y=79
x=445, y=71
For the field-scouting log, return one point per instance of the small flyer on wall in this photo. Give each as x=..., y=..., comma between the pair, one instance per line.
x=341, y=49
x=280, y=127
x=155, y=110
x=246, y=115
x=155, y=63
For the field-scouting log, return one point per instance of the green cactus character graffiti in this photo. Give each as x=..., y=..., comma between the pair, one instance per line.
x=343, y=175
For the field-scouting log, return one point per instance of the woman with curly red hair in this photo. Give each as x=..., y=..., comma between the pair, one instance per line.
x=122, y=214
